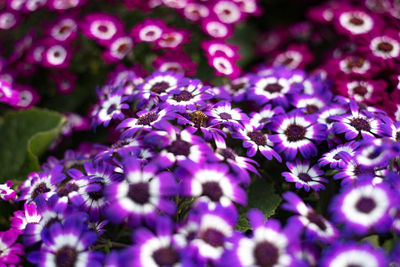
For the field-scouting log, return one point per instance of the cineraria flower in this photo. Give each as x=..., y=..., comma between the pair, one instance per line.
x=176, y=61
x=355, y=22
x=146, y=121
x=317, y=227
x=6, y=193
x=172, y=39
x=386, y=47
x=294, y=57
x=264, y=116
x=153, y=249
x=8, y=20
x=355, y=65
x=235, y=90
x=195, y=11
x=304, y=175
x=117, y=48
x=296, y=133
x=181, y=146
x=363, y=207
x=227, y=11
x=56, y=55
x=21, y=218
x=256, y=140
x=150, y=30
x=338, y=157
x=353, y=170
x=219, y=48
x=43, y=183
x=215, y=28
x=224, y=114
x=326, y=113
x=267, y=246
x=370, y=91
x=101, y=26
x=65, y=82
x=10, y=251
x=353, y=254
x=111, y=108
x=376, y=153
x=141, y=195
x=309, y=104
x=224, y=66
x=67, y=245
x=211, y=238
x=191, y=95
x=212, y=183
x=359, y=123
x=64, y=30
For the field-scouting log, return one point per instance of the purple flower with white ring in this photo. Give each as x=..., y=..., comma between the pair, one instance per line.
x=150, y=30
x=325, y=114
x=143, y=193
x=304, y=175
x=262, y=118
x=224, y=114
x=10, y=251
x=111, y=108
x=67, y=244
x=6, y=193
x=296, y=132
x=338, y=157
x=317, y=227
x=363, y=207
x=101, y=26
x=256, y=140
x=353, y=254
x=21, y=218
x=212, y=184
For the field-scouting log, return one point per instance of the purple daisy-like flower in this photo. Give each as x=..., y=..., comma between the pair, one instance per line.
x=267, y=246
x=359, y=123
x=255, y=140
x=190, y=95
x=111, y=108
x=353, y=170
x=227, y=11
x=6, y=193
x=212, y=183
x=56, y=55
x=265, y=115
x=21, y=218
x=355, y=22
x=10, y=251
x=325, y=115
x=224, y=114
x=317, y=227
x=150, y=30
x=353, y=254
x=182, y=146
x=141, y=195
x=304, y=175
x=296, y=133
x=146, y=121
x=117, y=48
x=363, y=207
x=151, y=249
x=309, y=104
x=43, y=183
x=101, y=26
x=215, y=28
x=338, y=157
x=67, y=245
x=64, y=29
x=385, y=47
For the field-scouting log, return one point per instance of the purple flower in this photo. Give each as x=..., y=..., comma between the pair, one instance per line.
x=150, y=30
x=10, y=251
x=304, y=175
x=296, y=133
x=212, y=183
x=338, y=157
x=227, y=11
x=117, y=48
x=262, y=118
x=101, y=26
x=67, y=243
x=353, y=254
x=317, y=227
x=363, y=207
x=111, y=108
x=141, y=195
x=224, y=114
x=21, y=218
x=355, y=22
x=6, y=193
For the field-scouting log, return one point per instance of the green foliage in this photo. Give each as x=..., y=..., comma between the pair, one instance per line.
x=24, y=136
x=261, y=195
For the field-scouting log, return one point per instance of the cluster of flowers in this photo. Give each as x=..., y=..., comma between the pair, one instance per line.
x=364, y=61
x=167, y=191
x=54, y=47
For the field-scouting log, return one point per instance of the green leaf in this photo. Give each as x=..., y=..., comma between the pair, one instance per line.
x=261, y=195
x=24, y=136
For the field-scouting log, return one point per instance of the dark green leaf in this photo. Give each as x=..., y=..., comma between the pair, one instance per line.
x=24, y=136
x=261, y=196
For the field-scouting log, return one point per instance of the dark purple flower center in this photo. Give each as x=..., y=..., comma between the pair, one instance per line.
x=273, y=87
x=51, y=222
x=96, y=195
x=305, y=177
x=266, y=254
x=365, y=204
x=139, y=192
x=111, y=109
x=295, y=132
x=287, y=61
x=148, y=118
x=237, y=86
x=264, y=120
x=159, y=87
x=213, y=190
x=227, y=153
x=64, y=29
x=102, y=28
x=225, y=116
x=66, y=257
x=354, y=265
x=40, y=189
x=179, y=147
x=311, y=109
x=336, y=157
x=123, y=48
x=360, y=170
x=258, y=138
x=360, y=124
x=166, y=256
x=355, y=62
x=356, y=21
x=317, y=220
x=398, y=136
x=183, y=96
x=385, y=47
x=360, y=90
x=65, y=189
x=213, y=237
